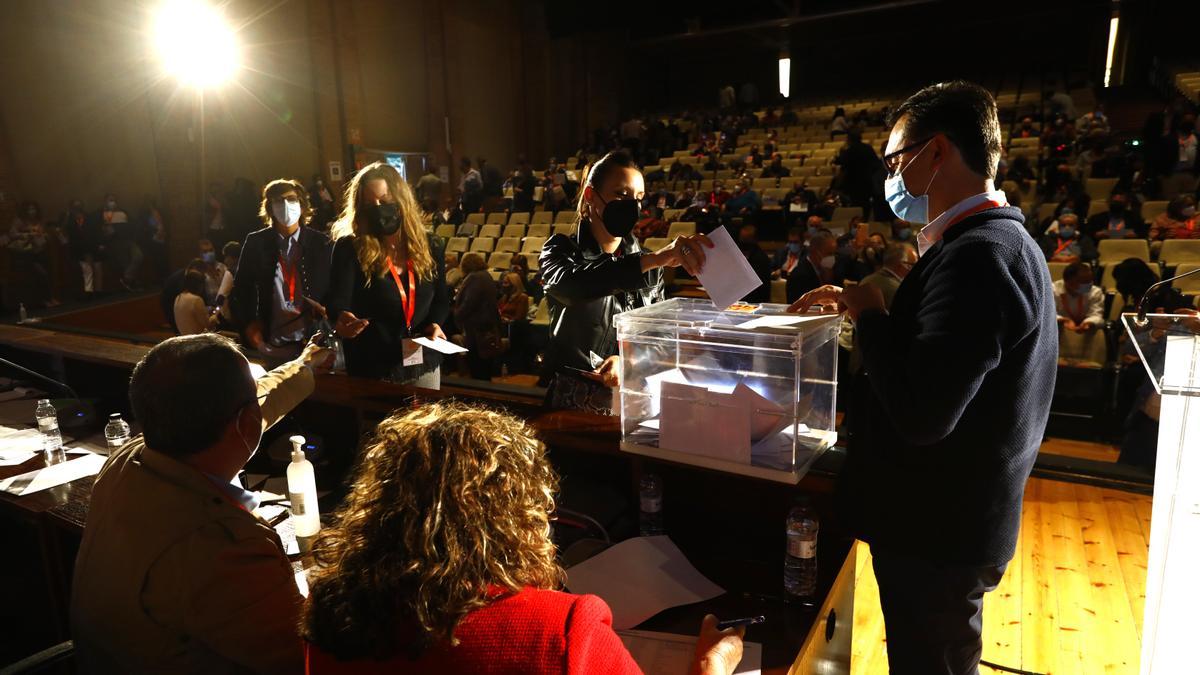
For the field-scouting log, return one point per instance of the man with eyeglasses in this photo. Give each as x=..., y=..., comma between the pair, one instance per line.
x=955, y=390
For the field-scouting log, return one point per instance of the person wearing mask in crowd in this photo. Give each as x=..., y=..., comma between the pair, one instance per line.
x=1093, y=122
x=83, y=238
x=755, y=158
x=523, y=188
x=492, y=181
x=820, y=267
x=175, y=573
x=1027, y=128
x=428, y=190
x=746, y=203
x=797, y=202
x=1079, y=302
x=776, y=169
x=173, y=287
x=454, y=274
x=214, y=271
x=477, y=314
x=387, y=281
x=470, y=187
x=513, y=303
x=324, y=206
x=1067, y=244
x=858, y=166
x=902, y=232
x=478, y=592
x=120, y=240
x=789, y=255
x=596, y=273
x=839, y=126
x=283, y=276
x=896, y=262
x=760, y=262
x=1119, y=222
x=961, y=375
x=231, y=253
x=192, y=315
x=26, y=243
x=1179, y=221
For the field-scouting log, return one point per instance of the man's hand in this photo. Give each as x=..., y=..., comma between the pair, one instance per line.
x=434, y=331
x=827, y=296
x=718, y=652
x=349, y=326
x=315, y=355
x=1069, y=324
x=609, y=372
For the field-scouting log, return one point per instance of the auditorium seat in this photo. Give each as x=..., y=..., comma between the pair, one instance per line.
x=458, y=245
x=468, y=230
x=1045, y=211
x=483, y=244
x=500, y=260
x=510, y=244
x=445, y=230
x=655, y=243
x=779, y=291
x=1190, y=285
x=490, y=230
x=497, y=218
x=519, y=218
x=475, y=218
x=542, y=217
x=845, y=213
x=1152, y=209
x=539, y=230
x=1113, y=251
x=1099, y=190
x=671, y=215
x=772, y=197
x=567, y=229
x=1176, y=251
x=1109, y=283
x=679, y=229
x=511, y=230
x=565, y=216
x=1056, y=270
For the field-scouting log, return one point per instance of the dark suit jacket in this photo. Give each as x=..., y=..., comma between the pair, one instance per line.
x=378, y=350
x=804, y=278
x=955, y=398
x=250, y=298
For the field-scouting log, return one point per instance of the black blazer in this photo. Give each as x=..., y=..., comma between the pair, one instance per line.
x=950, y=413
x=803, y=278
x=377, y=350
x=250, y=298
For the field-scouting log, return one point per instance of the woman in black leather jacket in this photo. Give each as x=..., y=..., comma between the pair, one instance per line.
x=599, y=272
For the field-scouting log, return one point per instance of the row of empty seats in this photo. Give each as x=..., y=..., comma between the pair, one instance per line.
x=497, y=231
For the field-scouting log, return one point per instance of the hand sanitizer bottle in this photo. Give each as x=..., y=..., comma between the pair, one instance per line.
x=302, y=492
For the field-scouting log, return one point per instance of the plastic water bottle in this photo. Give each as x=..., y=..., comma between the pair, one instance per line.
x=302, y=492
x=116, y=432
x=800, y=558
x=47, y=420
x=650, y=521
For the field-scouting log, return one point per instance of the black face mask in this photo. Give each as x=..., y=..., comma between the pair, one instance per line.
x=1116, y=208
x=383, y=219
x=620, y=215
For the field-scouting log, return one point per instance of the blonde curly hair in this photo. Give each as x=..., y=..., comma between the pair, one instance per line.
x=450, y=508
x=368, y=247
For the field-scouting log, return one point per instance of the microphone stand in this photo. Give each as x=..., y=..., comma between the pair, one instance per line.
x=74, y=416
x=1141, y=308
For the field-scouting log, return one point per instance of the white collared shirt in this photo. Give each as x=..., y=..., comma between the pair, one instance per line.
x=932, y=233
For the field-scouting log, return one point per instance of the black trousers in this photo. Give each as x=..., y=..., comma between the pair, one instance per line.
x=933, y=613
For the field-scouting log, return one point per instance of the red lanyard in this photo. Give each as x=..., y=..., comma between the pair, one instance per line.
x=407, y=298
x=289, y=278
x=1062, y=245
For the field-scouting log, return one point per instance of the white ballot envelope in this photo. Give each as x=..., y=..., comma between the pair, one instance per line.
x=726, y=275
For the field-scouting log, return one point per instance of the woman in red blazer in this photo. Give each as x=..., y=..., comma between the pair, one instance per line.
x=440, y=561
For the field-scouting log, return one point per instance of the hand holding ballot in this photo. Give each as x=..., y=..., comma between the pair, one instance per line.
x=685, y=251
x=853, y=300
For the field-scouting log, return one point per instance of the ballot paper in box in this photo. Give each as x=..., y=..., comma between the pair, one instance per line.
x=746, y=390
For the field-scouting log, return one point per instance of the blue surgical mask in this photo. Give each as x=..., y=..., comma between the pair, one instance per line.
x=209, y=256
x=1066, y=232
x=1083, y=289
x=794, y=247
x=904, y=204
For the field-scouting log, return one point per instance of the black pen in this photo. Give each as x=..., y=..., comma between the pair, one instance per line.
x=735, y=623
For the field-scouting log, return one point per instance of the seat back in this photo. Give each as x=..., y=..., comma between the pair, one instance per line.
x=490, y=230
x=483, y=244
x=1176, y=251
x=511, y=230
x=681, y=229
x=532, y=245
x=497, y=218
x=520, y=218
x=475, y=218
x=510, y=244
x=1113, y=251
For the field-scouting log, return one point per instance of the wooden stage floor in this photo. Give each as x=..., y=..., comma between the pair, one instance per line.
x=1071, y=599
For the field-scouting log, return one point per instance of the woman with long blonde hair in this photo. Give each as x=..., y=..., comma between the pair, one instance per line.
x=388, y=280
x=440, y=561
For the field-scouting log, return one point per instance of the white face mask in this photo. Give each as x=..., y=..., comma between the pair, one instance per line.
x=250, y=449
x=286, y=212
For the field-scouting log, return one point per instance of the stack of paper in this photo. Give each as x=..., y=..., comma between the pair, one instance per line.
x=18, y=446
x=53, y=475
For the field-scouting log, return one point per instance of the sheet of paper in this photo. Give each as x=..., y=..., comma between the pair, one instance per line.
x=699, y=421
x=766, y=417
x=671, y=654
x=440, y=345
x=779, y=320
x=53, y=475
x=20, y=441
x=727, y=275
x=13, y=458
x=641, y=577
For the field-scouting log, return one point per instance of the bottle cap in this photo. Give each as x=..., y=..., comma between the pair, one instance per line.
x=297, y=448
x=115, y=416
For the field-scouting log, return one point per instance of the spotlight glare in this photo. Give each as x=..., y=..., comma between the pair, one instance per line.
x=195, y=43
x=785, y=76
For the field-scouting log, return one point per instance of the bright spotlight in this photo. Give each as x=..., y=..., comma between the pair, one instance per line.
x=1113, y=24
x=785, y=76
x=195, y=43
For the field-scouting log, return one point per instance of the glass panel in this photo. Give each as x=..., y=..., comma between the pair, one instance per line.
x=1168, y=345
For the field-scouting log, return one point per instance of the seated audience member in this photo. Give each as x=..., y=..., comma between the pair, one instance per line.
x=175, y=574
x=818, y=268
x=441, y=561
x=745, y=203
x=776, y=169
x=1066, y=244
x=283, y=277
x=192, y=316
x=897, y=261
x=231, y=253
x=650, y=225
x=788, y=256
x=717, y=196
x=513, y=303
x=477, y=314
x=173, y=286
x=1178, y=221
x=454, y=275
x=213, y=269
x=1118, y=223
x=1080, y=303
x=902, y=231
x=759, y=261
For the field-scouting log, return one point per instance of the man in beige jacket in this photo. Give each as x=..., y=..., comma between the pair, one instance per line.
x=174, y=573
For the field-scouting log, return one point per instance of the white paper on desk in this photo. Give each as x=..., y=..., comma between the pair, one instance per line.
x=699, y=421
x=20, y=441
x=641, y=577
x=15, y=457
x=53, y=475
x=440, y=345
x=727, y=276
x=779, y=320
x=671, y=654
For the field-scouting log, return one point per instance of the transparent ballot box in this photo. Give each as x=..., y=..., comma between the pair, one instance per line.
x=748, y=393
